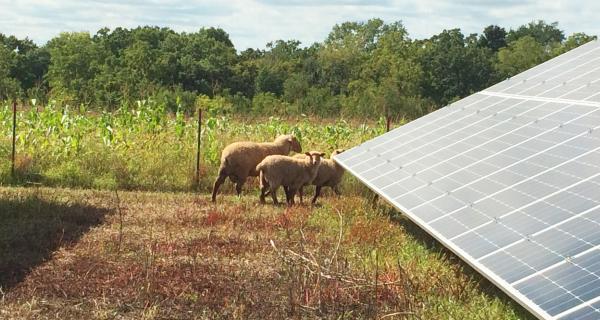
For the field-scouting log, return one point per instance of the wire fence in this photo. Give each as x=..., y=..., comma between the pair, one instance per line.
x=146, y=147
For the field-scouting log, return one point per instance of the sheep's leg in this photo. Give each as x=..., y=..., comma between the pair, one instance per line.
x=238, y=185
x=287, y=194
x=218, y=182
x=269, y=192
x=292, y=194
x=274, y=194
x=264, y=189
x=317, y=193
x=301, y=193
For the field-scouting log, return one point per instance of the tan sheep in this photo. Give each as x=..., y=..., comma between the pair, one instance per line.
x=329, y=175
x=239, y=159
x=290, y=172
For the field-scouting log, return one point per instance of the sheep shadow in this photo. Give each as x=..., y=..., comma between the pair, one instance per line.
x=432, y=244
x=33, y=228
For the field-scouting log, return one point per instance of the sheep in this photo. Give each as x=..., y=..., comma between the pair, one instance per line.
x=290, y=172
x=239, y=159
x=329, y=175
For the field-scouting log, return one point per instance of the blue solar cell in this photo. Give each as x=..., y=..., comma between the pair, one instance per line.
x=585, y=313
x=508, y=178
x=507, y=266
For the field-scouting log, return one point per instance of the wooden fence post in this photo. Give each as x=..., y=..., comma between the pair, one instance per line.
x=198, y=148
x=14, y=138
x=388, y=122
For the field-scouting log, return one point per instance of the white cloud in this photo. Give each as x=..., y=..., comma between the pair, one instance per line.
x=253, y=23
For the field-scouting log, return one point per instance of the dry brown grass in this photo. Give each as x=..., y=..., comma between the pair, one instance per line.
x=177, y=256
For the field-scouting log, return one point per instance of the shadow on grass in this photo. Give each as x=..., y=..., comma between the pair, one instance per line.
x=32, y=228
x=432, y=244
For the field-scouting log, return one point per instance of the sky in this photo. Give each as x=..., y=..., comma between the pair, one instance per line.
x=254, y=23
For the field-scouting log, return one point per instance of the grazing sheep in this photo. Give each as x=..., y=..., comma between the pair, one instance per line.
x=239, y=159
x=290, y=172
x=329, y=175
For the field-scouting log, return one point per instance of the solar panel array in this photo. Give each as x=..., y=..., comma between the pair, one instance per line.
x=509, y=179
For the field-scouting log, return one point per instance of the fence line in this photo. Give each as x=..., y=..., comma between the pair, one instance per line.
x=72, y=135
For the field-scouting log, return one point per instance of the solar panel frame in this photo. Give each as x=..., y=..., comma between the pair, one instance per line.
x=548, y=136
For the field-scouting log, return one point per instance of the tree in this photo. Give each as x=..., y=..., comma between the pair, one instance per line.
x=346, y=49
x=74, y=61
x=295, y=87
x=27, y=64
x=520, y=55
x=140, y=60
x=454, y=66
x=31, y=67
x=365, y=68
x=493, y=37
x=270, y=79
x=545, y=34
x=280, y=61
x=207, y=60
x=389, y=75
x=9, y=87
x=573, y=41
x=245, y=72
x=358, y=34
x=200, y=62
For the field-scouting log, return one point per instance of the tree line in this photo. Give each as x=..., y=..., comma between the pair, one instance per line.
x=364, y=69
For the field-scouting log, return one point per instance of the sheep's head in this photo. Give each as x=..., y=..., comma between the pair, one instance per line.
x=292, y=141
x=336, y=152
x=315, y=157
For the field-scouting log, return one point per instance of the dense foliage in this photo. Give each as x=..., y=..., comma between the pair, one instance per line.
x=361, y=69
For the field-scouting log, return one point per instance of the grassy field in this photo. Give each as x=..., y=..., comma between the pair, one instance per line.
x=141, y=255
x=71, y=247
x=144, y=147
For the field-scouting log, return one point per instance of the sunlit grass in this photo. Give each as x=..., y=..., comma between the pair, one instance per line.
x=146, y=148
x=176, y=255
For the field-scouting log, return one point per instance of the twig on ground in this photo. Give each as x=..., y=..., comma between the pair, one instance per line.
x=389, y=315
x=325, y=272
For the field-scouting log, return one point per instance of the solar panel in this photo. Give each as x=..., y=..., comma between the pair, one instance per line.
x=509, y=179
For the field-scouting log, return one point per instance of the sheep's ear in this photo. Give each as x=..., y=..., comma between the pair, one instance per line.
x=322, y=154
x=307, y=153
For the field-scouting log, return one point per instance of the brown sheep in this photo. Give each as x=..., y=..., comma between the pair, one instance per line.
x=329, y=175
x=239, y=159
x=290, y=172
